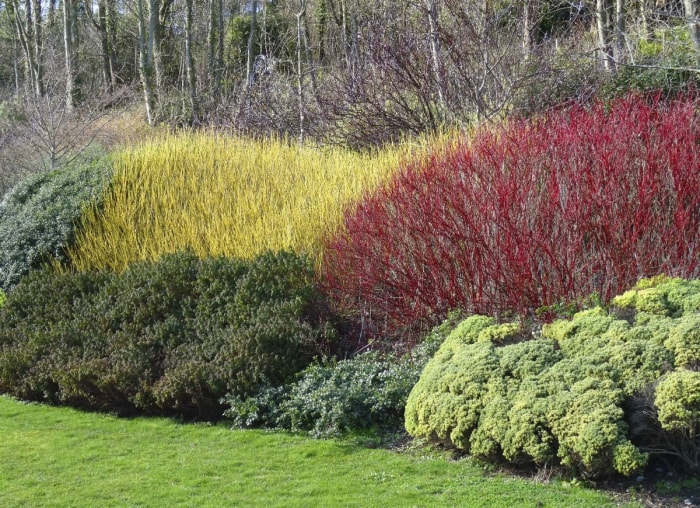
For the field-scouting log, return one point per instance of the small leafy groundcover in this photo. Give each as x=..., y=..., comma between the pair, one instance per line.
x=172, y=336
x=365, y=393
x=599, y=393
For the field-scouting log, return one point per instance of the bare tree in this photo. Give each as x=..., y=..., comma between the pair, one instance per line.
x=57, y=132
x=692, y=10
x=29, y=35
x=68, y=42
x=604, y=22
x=189, y=62
x=250, y=56
x=146, y=71
x=432, y=11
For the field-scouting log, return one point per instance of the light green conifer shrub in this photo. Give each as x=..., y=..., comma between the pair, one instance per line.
x=584, y=394
x=678, y=402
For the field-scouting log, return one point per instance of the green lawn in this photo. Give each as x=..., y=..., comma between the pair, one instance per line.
x=62, y=457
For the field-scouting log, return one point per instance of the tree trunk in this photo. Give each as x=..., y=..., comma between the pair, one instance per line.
x=346, y=23
x=484, y=8
x=30, y=46
x=647, y=28
x=37, y=24
x=322, y=21
x=220, y=43
x=435, y=55
x=350, y=39
x=15, y=53
x=300, y=75
x=105, y=46
x=23, y=34
x=603, y=14
x=620, y=44
x=250, y=56
x=309, y=55
x=189, y=62
x=71, y=90
x=155, y=52
x=212, y=25
x=691, y=15
x=146, y=65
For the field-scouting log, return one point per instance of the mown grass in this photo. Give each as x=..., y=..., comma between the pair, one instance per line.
x=223, y=195
x=62, y=457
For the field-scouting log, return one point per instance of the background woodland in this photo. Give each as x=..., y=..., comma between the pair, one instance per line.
x=349, y=72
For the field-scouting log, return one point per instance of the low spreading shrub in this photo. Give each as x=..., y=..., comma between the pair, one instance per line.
x=329, y=399
x=172, y=336
x=601, y=393
x=39, y=215
x=581, y=202
x=366, y=392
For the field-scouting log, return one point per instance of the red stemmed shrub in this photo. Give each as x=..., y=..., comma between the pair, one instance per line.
x=581, y=202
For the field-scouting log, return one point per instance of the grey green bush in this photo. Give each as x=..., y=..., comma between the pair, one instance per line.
x=39, y=215
x=600, y=393
x=329, y=398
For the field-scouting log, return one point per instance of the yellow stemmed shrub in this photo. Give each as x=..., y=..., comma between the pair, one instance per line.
x=222, y=195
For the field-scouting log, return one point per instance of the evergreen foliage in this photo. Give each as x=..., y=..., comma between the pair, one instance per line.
x=366, y=392
x=599, y=393
x=172, y=336
x=39, y=215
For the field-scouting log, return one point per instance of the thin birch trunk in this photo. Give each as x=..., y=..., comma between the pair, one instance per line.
x=189, y=62
x=145, y=65
x=69, y=49
x=603, y=22
x=250, y=56
x=300, y=75
x=691, y=15
x=435, y=54
x=37, y=24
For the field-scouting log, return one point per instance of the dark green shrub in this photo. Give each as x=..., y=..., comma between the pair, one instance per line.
x=597, y=393
x=172, y=336
x=42, y=331
x=649, y=77
x=38, y=216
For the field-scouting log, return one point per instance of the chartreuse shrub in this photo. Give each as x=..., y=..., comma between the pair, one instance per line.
x=39, y=215
x=599, y=393
x=222, y=195
x=172, y=336
x=515, y=218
